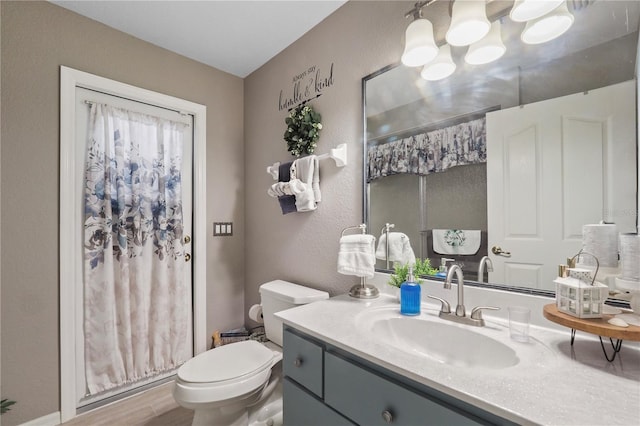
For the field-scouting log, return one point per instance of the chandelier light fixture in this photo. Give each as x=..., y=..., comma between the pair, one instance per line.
x=544, y=20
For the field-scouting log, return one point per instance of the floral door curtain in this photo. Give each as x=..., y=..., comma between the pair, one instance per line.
x=137, y=303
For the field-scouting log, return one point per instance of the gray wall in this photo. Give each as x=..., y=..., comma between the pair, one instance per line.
x=359, y=38
x=37, y=38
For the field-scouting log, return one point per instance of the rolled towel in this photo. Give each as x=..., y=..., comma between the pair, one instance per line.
x=399, y=248
x=356, y=255
x=308, y=171
x=305, y=201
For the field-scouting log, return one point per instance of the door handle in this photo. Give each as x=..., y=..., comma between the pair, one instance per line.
x=187, y=257
x=187, y=239
x=497, y=250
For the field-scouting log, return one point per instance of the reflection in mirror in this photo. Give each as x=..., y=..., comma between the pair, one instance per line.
x=510, y=159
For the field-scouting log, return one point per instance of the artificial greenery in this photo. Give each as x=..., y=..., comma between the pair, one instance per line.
x=303, y=130
x=401, y=272
x=5, y=404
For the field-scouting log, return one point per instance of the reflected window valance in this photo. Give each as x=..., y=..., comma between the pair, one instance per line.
x=430, y=152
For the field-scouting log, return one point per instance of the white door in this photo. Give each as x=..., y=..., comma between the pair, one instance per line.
x=554, y=166
x=83, y=99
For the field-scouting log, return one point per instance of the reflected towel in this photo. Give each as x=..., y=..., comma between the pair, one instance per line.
x=456, y=241
x=399, y=248
x=357, y=255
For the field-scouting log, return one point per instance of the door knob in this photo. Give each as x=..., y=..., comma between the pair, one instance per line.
x=497, y=250
x=187, y=257
x=187, y=239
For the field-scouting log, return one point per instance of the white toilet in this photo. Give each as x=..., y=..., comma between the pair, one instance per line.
x=227, y=384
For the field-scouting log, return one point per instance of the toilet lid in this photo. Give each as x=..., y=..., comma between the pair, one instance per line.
x=226, y=362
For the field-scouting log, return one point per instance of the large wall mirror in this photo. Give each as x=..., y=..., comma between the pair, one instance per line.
x=514, y=156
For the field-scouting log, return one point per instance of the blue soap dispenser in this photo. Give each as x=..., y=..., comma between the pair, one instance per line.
x=410, y=295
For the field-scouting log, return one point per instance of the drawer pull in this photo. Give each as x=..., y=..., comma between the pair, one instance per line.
x=387, y=416
x=297, y=362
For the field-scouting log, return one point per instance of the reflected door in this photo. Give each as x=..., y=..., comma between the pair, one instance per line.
x=567, y=155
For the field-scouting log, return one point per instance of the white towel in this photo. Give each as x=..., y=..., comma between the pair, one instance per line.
x=456, y=241
x=305, y=201
x=308, y=171
x=399, y=248
x=356, y=255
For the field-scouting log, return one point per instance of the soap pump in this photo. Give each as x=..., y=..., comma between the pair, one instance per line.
x=410, y=295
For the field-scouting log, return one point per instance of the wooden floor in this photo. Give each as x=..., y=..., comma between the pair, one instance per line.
x=154, y=407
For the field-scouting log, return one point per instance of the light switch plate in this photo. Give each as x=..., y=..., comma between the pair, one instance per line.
x=222, y=229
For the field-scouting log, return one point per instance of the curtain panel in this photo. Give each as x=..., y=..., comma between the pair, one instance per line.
x=431, y=152
x=137, y=303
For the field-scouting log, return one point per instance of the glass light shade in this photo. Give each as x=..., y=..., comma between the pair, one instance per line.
x=526, y=10
x=441, y=67
x=548, y=27
x=469, y=22
x=419, y=46
x=488, y=49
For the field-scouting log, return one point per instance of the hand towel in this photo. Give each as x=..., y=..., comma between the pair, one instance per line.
x=399, y=248
x=456, y=241
x=308, y=171
x=356, y=255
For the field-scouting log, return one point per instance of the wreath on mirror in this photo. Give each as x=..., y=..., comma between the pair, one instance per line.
x=303, y=130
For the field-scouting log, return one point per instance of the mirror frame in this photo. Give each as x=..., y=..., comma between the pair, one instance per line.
x=504, y=287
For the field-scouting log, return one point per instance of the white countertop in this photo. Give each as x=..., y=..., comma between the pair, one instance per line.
x=554, y=383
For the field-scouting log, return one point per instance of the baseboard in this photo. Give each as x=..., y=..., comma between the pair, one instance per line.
x=52, y=419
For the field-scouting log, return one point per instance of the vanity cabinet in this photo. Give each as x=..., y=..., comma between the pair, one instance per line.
x=324, y=385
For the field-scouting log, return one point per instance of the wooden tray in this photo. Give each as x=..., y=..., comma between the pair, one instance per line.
x=598, y=326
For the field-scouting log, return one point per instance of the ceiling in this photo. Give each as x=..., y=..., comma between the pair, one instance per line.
x=233, y=36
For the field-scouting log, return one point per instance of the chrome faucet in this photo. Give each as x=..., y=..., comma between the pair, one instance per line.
x=455, y=269
x=484, y=261
x=460, y=314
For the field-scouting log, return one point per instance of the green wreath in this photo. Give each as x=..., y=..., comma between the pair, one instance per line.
x=303, y=130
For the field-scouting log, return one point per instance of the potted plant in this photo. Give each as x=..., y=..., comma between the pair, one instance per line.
x=422, y=268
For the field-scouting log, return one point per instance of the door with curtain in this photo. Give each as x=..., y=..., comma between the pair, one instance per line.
x=136, y=301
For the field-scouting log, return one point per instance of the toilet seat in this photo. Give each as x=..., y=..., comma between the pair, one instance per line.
x=236, y=359
x=227, y=372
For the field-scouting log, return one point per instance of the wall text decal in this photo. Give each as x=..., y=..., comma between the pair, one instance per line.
x=306, y=86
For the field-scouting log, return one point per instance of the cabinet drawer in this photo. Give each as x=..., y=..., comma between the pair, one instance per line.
x=369, y=399
x=302, y=361
x=301, y=408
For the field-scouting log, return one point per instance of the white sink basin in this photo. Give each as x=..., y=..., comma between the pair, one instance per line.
x=446, y=342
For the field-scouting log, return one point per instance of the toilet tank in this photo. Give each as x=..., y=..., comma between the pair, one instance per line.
x=278, y=295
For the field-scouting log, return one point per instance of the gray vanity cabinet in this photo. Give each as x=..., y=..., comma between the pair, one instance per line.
x=324, y=385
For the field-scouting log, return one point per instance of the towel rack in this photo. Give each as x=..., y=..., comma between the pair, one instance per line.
x=385, y=231
x=338, y=154
x=362, y=290
x=362, y=227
